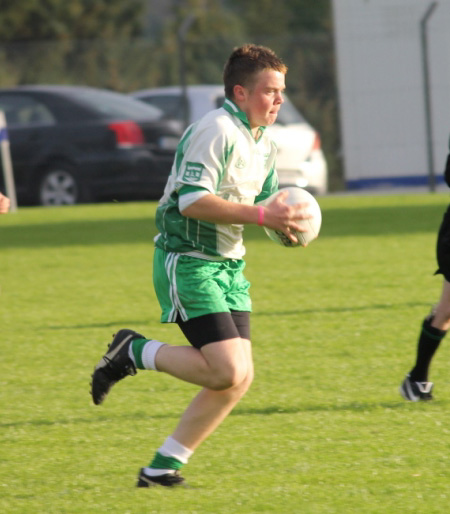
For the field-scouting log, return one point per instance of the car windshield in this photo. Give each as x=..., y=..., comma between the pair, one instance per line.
x=114, y=105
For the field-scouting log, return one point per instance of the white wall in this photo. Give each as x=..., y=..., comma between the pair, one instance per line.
x=381, y=91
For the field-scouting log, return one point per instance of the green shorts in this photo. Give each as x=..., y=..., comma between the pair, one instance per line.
x=192, y=287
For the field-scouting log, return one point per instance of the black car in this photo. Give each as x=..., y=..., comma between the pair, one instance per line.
x=72, y=144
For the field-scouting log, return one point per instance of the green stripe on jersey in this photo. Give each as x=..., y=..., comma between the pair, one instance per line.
x=182, y=234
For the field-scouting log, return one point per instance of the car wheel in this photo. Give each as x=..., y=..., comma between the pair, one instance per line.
x=58, y=186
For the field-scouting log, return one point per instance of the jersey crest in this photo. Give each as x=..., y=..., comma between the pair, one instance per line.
x=240, y=163
x=193, y=171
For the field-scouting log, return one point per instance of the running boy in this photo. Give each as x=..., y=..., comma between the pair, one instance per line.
x=224, y=165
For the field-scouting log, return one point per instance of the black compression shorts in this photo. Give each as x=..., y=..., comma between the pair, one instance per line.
x=443, y=247
x=215, y=327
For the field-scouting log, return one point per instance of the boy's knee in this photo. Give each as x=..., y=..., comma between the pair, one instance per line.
x=232, y=377
x=226, y=379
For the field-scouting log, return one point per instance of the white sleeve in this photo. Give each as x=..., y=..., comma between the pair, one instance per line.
x=204, y=158
x=189, y=198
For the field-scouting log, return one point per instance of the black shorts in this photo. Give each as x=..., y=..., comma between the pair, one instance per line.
x=443, y=247
x=219, y=326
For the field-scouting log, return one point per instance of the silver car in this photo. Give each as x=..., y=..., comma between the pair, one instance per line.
x=300, y=160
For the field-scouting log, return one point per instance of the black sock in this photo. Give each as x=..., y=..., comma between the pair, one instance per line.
x=429, y=341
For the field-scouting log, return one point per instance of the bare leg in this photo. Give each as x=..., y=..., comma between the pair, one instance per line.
x=209, y=408
x=442, y=311
x=216, y=366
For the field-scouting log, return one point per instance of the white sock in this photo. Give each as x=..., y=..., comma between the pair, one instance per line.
x=148, y=354
x=131, y=354
x=172, y=448
x=151, y=472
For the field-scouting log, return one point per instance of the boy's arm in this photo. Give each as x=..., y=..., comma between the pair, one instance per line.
x=277, y=215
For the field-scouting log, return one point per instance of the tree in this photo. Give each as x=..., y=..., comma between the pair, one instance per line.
x=212, y=35
x=58, y=31
x=263, y=17
x=77, y=19
x=309, y=15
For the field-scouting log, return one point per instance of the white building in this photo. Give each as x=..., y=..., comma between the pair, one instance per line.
x=391, y=135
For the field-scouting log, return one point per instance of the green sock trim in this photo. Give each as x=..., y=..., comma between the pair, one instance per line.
x=432, y=332
x=137, y=345
x=435, y=337
x=162, y=462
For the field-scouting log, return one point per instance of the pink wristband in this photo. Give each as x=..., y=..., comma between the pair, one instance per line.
x=260, y=216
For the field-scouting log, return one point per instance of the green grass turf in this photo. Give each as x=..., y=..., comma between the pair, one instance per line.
x=323, y=428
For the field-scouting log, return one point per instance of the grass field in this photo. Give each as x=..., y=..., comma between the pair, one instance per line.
x=323, y=428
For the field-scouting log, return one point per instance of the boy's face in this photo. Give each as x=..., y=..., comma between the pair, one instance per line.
x=263, y=100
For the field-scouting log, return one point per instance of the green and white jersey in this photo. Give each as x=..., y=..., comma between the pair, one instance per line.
x=218, y=155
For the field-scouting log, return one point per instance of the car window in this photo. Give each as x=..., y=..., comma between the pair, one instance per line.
x=115, y=105
x=23, y=110
x=289, y=114
x=170, y=105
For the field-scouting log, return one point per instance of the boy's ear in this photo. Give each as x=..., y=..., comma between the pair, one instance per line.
x=239, y=93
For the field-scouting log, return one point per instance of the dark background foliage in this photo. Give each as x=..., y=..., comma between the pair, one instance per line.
x=133, y=45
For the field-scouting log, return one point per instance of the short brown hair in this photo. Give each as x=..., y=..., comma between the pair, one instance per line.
x=245, y=63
